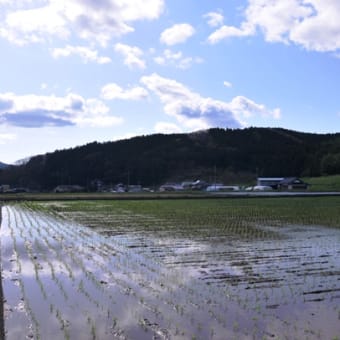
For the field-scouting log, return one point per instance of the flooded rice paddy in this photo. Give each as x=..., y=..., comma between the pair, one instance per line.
x=120, y=272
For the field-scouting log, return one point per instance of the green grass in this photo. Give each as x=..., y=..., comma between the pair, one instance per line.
x=324, y=183
x=215, y=213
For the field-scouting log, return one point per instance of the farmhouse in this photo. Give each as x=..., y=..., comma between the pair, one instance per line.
x=171, y=187
x=68, y=188
x=4, y=188
x=282, y=183
x=269, y=181
x=292, y=183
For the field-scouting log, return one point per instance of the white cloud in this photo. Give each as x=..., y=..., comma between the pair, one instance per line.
x=227, y=84
x=225, y=32
x=312, y=24
x=85, y=53
x=15, y=3
x=246, y=108
x=177, y=34
x=165, y=127
x=215, y=19
x=39, y=111
x=114, y=91
x=196, y=112
x=34, y=25
x=276, y=18
x=132, y=55
x=95, y=20
x=176, y=59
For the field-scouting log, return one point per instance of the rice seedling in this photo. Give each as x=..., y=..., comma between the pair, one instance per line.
x=236, y=266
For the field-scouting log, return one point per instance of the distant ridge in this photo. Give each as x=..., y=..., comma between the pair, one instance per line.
x=225, y=155
x=22, y=161
x=3, y=165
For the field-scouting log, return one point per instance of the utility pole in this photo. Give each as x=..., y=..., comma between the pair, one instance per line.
x=128, y=180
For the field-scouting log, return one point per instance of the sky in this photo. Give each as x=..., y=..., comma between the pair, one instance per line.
x=77, y=71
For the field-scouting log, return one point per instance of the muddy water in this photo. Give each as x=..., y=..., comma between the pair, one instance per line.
x=62, y=280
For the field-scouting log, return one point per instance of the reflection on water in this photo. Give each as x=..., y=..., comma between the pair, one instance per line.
x=66, y=281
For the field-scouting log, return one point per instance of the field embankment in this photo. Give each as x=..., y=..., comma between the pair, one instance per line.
x=160, y=195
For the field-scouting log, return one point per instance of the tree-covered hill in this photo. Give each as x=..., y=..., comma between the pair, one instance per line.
x=216, y=154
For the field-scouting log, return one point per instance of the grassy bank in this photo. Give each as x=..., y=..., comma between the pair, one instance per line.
x=323, y=183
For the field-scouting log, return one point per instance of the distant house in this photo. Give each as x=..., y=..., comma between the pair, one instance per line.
x=96, y=185
x=269, y=182
x=195, y=185
x=4, y=188
x=17, y=190
x=135, y=188
x=214, y=187
x=187, y=185
x=171, y=187
x=292, y=183
x=282, y=183
x=68, y=188
x=199, y=185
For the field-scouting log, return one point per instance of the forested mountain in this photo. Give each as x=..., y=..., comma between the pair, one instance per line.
x=216, y=154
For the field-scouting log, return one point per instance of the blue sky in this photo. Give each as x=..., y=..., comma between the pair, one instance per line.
x=76, y=71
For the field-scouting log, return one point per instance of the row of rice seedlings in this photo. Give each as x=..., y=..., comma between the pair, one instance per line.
x=281, y=210
x=88, y=274
x=265, y=219
x=60, y=258
x=34, y=323
x=188, y=301
x=58, y=313
x=92, y=278
x=178, y=308
x=256, y=299
x=37, y=267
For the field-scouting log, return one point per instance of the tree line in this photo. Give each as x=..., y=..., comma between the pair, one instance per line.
x=214, y=154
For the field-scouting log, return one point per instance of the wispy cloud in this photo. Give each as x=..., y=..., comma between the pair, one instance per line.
x=114, y=91
x=85, y=53
x=176, y=59
x=165, y=127
x=177, y=34
x=225, y=32
x=227, y=84
x=312, y=24
x=133, y=56
x=39, y=111
x=194, y=111
x=214, y=19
